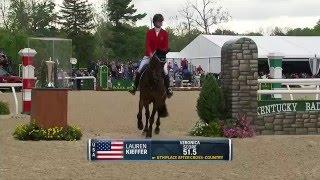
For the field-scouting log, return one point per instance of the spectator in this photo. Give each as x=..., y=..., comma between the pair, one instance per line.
x=184, y=64
x=199, y=70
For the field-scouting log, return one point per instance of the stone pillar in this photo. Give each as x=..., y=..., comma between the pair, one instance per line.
x=275, y=66
x=239, y=74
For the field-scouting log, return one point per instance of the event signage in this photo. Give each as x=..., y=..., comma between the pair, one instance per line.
x=274, y=107
x=159, y=150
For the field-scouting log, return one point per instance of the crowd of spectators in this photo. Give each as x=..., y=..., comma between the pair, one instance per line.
x=126, y=71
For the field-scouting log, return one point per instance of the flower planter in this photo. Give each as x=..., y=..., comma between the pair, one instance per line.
x=50, y=107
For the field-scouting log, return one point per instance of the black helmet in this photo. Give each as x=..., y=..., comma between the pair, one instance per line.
x=157, y=17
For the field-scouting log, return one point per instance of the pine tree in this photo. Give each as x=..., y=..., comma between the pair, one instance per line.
x=76, y=17
x=211, y=105
x=120, y=12
x=77, y=21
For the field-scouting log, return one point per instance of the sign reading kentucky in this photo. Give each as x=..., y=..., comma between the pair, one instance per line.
x=161, y=150
x=274, y=107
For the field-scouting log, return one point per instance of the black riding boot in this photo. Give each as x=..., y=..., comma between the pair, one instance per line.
x=167, y=85
x=136, y=84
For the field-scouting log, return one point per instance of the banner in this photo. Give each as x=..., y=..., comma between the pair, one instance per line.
x=274, y=107
x=159, y=150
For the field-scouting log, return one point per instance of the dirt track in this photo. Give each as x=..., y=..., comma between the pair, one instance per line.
x=112, y=115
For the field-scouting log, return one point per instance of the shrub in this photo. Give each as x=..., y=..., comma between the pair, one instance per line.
x=4, y=108
x=33, y=132
x=207, y=130
x=242, y=128
x=210, y=104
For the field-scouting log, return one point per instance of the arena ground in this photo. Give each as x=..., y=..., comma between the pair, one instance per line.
x=112, y=115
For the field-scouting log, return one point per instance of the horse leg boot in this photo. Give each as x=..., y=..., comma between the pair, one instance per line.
x=136, y=84
x=139, y=116
x=157, y=130
x=167, y=85
x=151, y=121
x=147, y=113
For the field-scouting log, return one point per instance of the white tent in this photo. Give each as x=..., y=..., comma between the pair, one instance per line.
x=205, y=50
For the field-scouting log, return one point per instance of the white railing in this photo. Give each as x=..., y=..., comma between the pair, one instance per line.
x=82, y=78
x=13, y=86
x=312, y=83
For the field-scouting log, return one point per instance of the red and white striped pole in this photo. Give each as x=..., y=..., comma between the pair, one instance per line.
x=27, y=78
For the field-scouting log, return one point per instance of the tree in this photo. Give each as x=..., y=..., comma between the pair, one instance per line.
x=4, y=8
x=76, y=17
x=253, y=34
x=121, y=12
x=277, y=32
x=210, y=104
x=77, y=22
x=42, y=18
x=18, y=16
x=103, y=38
x=224, y=32
x=187, y=14
x=209, y=13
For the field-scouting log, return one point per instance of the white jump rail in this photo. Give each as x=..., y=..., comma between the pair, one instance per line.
x=301, y=82
x=13, y=86
x=85, y=77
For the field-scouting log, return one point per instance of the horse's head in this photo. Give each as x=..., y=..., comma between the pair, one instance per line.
x=158, y=60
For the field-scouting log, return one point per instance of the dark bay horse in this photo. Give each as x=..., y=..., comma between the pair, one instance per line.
x=152, y=90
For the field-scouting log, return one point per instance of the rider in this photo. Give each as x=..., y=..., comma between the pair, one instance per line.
x=157, y=39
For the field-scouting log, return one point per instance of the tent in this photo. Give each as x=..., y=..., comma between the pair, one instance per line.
x=205, y=50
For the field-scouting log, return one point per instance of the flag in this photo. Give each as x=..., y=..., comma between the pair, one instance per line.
x=109, y=150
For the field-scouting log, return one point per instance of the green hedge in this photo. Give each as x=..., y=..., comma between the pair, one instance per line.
x=33, y=132
x=211, y=103
x=4, y=108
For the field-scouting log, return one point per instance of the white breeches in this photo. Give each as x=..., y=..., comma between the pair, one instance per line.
x=146, y=61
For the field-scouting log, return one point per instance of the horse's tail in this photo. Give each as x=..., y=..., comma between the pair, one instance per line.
x=163, y=111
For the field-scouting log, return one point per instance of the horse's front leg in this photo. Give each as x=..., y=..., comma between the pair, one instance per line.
x=151, y=121
x=157, y=130
x=139, y=116
x=147, y=113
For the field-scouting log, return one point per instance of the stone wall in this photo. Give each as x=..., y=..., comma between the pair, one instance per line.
x=288, y=123
x=239, y=74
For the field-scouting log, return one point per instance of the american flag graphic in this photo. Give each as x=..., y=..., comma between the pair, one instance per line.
x=109, y=150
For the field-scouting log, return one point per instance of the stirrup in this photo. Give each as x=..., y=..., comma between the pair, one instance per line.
x=169, y=93
x=133, y=91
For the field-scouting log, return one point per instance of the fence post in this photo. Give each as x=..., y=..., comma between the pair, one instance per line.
x=28, y=78
x=275, y=66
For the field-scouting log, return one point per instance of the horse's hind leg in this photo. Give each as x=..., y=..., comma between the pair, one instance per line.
x=146, y=107
x=139, y=116
x=151, y=121
x=157, y=130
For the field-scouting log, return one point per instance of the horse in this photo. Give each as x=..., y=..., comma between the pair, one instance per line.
x=152, y=90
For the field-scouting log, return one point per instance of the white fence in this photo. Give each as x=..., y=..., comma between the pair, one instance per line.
x=303, y=83
x=13, y=86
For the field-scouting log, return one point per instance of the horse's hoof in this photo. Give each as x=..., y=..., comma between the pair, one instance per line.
x=140, y=125
x=157, y=131
x=164, y=114
x=148, y=135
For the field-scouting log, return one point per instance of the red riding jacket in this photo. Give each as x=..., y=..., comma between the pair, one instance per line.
x=154, y=42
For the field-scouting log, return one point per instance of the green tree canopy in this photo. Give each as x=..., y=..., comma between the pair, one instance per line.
x=121, y=12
